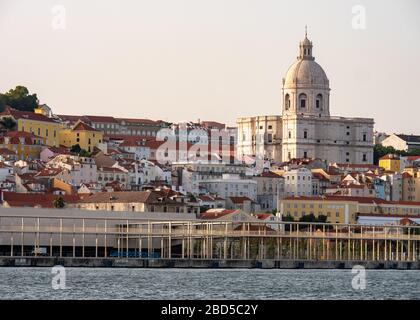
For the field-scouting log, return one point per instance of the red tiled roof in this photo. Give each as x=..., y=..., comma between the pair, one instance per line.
x=15, y=199
x=141, y=121
x=16, y=135
x=263, y=216
x=25, y=115
x=81, y=126
x=269, y=174
x=390, y=156
x=355, y=166
x=365, y=200
x=216, y=214
x=49, y=172
x=101, y=119
x=5, y=151
x=239, y=200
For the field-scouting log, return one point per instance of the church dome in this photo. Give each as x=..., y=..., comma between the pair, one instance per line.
x=305, y=72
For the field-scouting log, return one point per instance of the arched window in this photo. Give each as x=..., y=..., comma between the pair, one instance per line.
x=287, y=101
x=319, y=102
x=302, y=100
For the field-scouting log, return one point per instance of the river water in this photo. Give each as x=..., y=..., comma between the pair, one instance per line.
x=102, y=283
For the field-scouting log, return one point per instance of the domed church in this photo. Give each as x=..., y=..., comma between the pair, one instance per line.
x=306, y=129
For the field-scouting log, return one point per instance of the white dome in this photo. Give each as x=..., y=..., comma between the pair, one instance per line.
x=306, y=73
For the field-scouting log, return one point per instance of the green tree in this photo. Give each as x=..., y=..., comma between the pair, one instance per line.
x=20, y=99
x=8, y=123
x=75, y=149
x=379, y=151
x=59, y=203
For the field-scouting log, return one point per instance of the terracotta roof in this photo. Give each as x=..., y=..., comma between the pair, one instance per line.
x=270, y=174
x=49, y=172
x=26, y=115
x=366, y=200
x=101, y=119
x=5, y=151
x=15, y=199
x=413, y=158
x=406, y=175
x=263, y=216
x=209, y=214
x=355, y=166
x=239, y=200
x=119, y=197
x=81, y=126
x=16, y=135
x=141, y=121
x=111, y=169
x=390, y=156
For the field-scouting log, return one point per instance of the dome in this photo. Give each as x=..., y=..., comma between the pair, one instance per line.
x=305, y=73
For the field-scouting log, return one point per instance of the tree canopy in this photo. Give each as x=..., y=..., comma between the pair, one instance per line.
x=379, y=151
x=19, y=99
x=76, y=149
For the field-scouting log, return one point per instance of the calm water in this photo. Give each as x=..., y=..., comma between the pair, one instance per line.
x=35, y=283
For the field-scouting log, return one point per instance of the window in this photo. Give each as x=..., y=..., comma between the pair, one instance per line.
x=305, y=154
x=319, y=102
x=270, y=127
x=290, y=134
x=305, y=134
x=261, y=127
x=287, y=101
x=364, y=137
x=302, y=100
x=364, y=157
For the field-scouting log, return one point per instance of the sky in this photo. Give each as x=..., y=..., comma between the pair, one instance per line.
x=184, y=60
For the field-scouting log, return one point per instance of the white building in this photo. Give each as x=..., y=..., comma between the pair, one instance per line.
x=298, y=182
x=79, y=169
x=403, y=142
x=231, y=185
x=308, y=129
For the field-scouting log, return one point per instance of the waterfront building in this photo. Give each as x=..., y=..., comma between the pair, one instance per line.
x=270, y=186
x=411, y=184
x=343, y=209
x=137, y=201
x=229, y=185
x=307, y=128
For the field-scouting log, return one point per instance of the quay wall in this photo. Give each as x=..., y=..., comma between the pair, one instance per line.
x=201, y=263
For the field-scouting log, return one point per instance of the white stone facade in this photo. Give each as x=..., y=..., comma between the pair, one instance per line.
x=306, y=129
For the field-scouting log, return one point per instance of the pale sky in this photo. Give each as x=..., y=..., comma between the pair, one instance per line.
x=180, y=60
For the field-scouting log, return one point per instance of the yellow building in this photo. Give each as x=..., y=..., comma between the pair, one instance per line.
x=342, y=209
x=25, y=144
x=83, y=135
x=35, y=123
x=411, y=184
x=390, y=162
